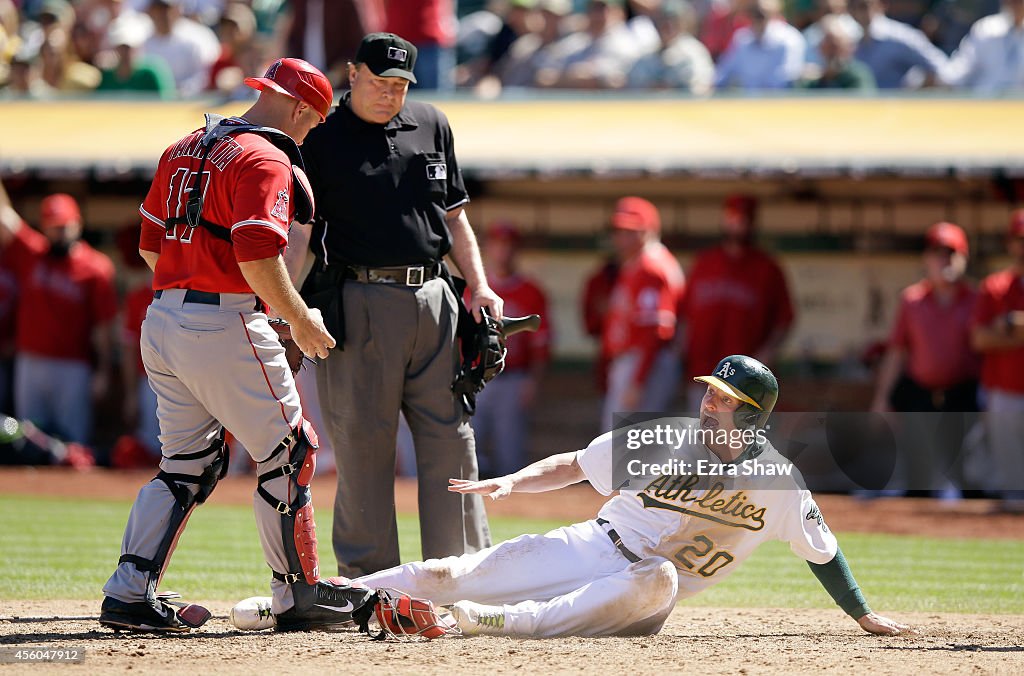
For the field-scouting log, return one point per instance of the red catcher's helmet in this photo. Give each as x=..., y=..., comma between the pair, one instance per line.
x=299, y=80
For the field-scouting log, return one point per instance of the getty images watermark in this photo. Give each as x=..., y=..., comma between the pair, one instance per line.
x=674, y=437
x=829, y=451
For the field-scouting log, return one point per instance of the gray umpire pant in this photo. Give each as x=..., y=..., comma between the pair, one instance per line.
x=400, y=352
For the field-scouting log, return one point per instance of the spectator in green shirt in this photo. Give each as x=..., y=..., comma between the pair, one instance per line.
x=132, y=73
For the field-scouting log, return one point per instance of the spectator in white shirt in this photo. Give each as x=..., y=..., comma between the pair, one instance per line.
x=681, y=62
x=842, y=21
x=597, y=58
x=990, y=60
x=187, y=47
x=768, y=54
x=519, y=66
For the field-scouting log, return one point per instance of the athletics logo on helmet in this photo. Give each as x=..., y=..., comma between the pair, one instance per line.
x=749, y=381
x=299, y=80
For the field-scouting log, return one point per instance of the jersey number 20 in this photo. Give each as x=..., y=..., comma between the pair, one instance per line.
x=715, y=562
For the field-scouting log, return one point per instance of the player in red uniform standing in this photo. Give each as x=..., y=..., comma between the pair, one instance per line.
x=736, y=301
x=998, y=333
x=215, y=222
x=66, y=306
x=640, y=325
x=503, y=408
x=929, y=365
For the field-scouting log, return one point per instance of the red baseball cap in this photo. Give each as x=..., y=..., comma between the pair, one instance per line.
x=947, y=235
x=59, y=210
x=636, y=213
x=299, y=80
x=504, y=230
x=1016, y=224
x=742, y=206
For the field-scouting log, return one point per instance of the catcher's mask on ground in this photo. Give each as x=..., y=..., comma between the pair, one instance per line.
x=400, y=616
x=749, y=381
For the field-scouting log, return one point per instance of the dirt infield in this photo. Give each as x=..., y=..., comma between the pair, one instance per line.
x=967, y=518
x=700, y=640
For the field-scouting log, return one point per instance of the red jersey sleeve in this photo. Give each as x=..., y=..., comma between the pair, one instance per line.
x=152, y=210
x=986, y=307
x=900, y=335
x=655, y=305
x=262, y=209
x=23, y=249
x=653, y=321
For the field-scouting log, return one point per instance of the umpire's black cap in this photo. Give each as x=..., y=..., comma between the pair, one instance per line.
x=388, y=55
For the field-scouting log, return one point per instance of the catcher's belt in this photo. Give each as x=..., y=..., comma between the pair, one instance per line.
x=204, y=298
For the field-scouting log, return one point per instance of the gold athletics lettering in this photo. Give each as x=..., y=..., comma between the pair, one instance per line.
x=703, y=504
x=224, y=150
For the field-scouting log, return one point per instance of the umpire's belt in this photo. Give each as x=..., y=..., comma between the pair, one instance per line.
x=202, y=297
x=617, y=541
x=406, y=275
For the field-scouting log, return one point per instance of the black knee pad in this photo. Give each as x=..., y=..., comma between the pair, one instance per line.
x=185, y=502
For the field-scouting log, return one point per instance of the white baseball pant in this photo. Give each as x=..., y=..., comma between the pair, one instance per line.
x=571, y=581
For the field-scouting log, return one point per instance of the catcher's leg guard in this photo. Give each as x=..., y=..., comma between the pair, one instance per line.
x=297, y=526
x=185, y=502
x=316, y=603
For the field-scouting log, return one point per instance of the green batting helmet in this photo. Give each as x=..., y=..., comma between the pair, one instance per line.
x=751, y=382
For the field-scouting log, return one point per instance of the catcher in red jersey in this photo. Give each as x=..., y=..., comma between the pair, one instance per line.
x=215, y=223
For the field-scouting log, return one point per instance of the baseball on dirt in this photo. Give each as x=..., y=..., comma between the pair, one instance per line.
x=253, y=614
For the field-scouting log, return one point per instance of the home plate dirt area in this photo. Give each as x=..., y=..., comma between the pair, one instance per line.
x=697, y=640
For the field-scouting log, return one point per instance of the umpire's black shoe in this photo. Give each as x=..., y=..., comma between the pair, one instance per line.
x=155, y=616
x=327, y=605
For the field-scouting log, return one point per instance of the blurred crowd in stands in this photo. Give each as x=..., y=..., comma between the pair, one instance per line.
x=186, y=48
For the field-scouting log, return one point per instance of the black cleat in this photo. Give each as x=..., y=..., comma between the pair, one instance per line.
x=150, y=616
x=327, y=605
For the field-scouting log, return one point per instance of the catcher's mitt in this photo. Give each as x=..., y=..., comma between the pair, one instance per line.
x=483, y=354
x=402, y=616
x=291, y=350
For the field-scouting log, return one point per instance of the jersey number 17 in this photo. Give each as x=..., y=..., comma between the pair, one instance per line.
x=178, y=194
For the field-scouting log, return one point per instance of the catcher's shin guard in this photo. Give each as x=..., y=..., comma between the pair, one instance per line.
x=184, y=502
x=297, y=527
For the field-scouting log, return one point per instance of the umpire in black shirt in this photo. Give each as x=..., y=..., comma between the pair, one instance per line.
x=389, y=200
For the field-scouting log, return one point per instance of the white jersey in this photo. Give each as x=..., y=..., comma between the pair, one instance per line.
x=703, y=522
